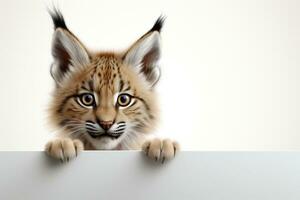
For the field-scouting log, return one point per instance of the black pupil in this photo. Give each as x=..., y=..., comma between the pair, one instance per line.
x=88, y=99
x=123, y=99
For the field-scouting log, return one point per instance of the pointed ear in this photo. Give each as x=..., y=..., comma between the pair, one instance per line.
x=68, y=52
x=144, y=54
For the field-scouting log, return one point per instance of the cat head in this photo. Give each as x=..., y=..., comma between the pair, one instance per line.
x=105, y=98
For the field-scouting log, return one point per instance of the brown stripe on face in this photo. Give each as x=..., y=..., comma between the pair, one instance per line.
x=91, y=85
x=146, y=106
x=63, y=122
x=140, y=125
x=84, y=88
x=128, y=87
x=133, y=103
x=144, y=102
x=61, y=107
x=121, y=85
x=151, y=116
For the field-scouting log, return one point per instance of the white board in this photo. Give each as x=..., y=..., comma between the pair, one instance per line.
x=129, y=176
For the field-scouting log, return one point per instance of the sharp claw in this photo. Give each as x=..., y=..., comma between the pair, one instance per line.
x=156, y=158
x=174, y=151
x=61, y=160
x=163, y=160
x=147, y=150
x=68, y=159
x=75, y=151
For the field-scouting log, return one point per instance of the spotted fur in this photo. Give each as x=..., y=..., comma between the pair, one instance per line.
x=103, y=77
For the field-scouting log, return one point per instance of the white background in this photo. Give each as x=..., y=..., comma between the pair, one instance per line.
x=231, y=72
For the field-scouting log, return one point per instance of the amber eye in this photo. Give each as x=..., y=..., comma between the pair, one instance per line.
x=87, y=99
x=124, y=100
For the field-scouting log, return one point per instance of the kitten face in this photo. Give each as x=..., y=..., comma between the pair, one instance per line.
x=105, y=99
x=105, y=102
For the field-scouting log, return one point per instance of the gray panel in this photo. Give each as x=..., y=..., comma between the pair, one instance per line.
x=129, y=176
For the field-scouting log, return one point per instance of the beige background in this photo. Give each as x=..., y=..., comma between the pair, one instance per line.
x=231, y=72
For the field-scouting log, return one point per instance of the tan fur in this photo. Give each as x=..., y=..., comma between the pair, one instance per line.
x=160, y=150
x=102, y=72
x=105, y=76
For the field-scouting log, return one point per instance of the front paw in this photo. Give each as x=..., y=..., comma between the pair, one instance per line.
x=63, y=149
x=160, y=150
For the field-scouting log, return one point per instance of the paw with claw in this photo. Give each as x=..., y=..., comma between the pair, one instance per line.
x=64, y=149
x=160, y=150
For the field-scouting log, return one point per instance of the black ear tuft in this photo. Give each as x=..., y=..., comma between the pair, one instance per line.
x=158, y=24
x=57, y=18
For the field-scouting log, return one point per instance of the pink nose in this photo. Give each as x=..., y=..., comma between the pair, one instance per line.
x=106, y=124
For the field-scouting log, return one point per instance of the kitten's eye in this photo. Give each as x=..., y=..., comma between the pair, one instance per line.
x=124, y=100
x=87, y=99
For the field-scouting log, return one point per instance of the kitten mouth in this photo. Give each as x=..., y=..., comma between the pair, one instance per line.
x=96, y=132
x=103, y=135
